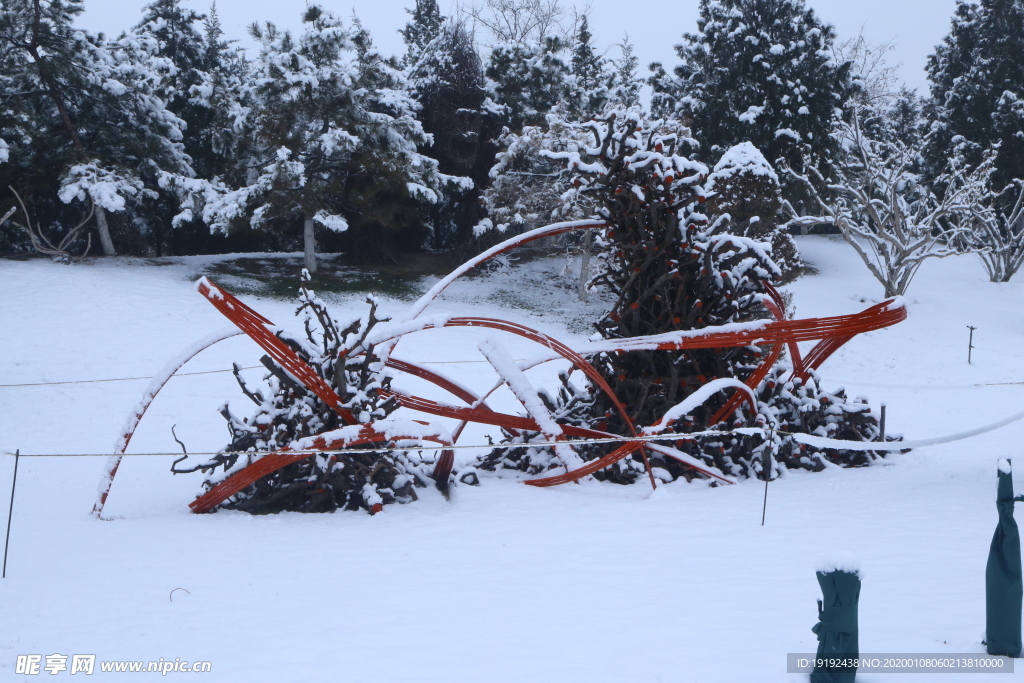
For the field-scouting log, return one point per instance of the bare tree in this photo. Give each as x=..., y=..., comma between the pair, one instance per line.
x=877, y=78
x=41, y=243
x=519, y=22
x=883, y=209
x=997, y=221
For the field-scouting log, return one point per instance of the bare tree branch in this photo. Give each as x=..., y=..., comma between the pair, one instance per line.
x=519, y=21
x=42, y=244
x=884, y=211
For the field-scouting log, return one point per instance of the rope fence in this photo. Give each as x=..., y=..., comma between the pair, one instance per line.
x=807, y=439
x=533, y=444
x=935, y=387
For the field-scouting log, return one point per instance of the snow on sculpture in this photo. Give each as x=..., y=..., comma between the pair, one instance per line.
x=831, y=332
x=684, y=357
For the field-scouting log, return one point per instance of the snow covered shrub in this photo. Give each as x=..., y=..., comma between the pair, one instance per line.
x=673, y=268
x=790, y=405
x=745, y=186
x=288, y=412
x=527, y=189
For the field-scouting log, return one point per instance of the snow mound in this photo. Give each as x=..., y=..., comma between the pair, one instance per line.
x=742, y=158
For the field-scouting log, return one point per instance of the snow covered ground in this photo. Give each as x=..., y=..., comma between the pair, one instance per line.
x=505, y=582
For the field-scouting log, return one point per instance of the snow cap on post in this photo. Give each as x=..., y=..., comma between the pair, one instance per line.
x=839, y=562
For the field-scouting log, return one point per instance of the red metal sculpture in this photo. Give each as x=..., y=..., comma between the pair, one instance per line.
x=831, y=333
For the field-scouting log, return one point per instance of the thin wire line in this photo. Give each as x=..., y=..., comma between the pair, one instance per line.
x=121, y=379
x=208, y=372
x=539, y=444
x=802, y=437
x=464, y=362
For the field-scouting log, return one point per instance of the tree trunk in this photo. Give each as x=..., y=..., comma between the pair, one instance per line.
x=588, y=237
x=308, y=242
x=104, y=230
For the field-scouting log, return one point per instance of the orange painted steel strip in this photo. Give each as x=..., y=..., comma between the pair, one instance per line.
x=576, y=359
x=257, y=327
x=843, y=326
x=755, y=379
x=777, y=307
x=271, y=463
x=444, y=465
x=831, y=332
x=561, y=349
x=780, y=332
x=438, y=380
x=114, y=463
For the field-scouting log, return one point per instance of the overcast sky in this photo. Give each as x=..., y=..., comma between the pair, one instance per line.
x=654, y=26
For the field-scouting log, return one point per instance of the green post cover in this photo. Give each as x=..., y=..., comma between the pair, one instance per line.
x=837, y=624
x=1003, y=586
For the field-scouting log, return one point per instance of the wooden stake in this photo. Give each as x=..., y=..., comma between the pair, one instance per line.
x=970, y=343
x=767, y=472
x=10, y=510
x=881, y=425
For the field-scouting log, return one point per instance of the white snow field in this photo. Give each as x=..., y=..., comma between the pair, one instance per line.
x=590, y=582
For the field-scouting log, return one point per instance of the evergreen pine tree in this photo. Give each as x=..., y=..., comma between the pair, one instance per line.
x=760, y=71
x=24, y=120
x=589, y=70
x=529, y=80
x=38, y=50
x=425, y=26
x=179, y=41
x=99, y=123
x=455, y=110
x=626, y=84
x=215, y=107
x=905, y=118
x=334, y=141
x=134, y=143
x=977, y=83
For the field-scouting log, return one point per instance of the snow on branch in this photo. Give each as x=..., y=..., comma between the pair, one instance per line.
x=995, y=229
x=883, y=209
x=105, y=188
